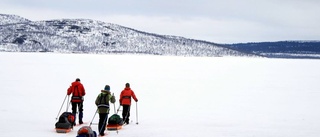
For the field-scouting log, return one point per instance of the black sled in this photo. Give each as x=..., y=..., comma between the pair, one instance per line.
x=115, y=122
x=65, y=123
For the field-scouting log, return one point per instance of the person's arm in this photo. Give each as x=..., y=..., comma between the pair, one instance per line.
x=97, y=100
x=112, y=98
x=120, y=99
x=134, y=96
x=69, y=90
x=83, y=90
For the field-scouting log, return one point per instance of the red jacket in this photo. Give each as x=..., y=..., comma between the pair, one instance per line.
x=125, y=96
x=77, y=91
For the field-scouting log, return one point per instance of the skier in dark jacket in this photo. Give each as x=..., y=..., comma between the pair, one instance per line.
x=125, y=102
x=102, y=103
x=77, y=90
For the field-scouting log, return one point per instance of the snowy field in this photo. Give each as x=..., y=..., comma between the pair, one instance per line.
x=178, y=96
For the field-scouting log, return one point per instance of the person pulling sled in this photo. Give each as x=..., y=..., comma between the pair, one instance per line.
x=77, y=90
x=125, y=102
x=102, y=102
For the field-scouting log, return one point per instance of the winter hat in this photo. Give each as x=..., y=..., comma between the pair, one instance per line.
x=77, y=79
x=127, y=85
x=107, y=88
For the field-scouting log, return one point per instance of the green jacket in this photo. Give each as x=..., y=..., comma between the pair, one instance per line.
x=103, y=100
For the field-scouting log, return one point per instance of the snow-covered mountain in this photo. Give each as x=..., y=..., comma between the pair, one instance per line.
x=11, y=19
x=91, y=36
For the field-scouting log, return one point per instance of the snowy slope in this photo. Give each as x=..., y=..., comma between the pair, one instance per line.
x=178, y=96
x=12, y=19
x=96, y=37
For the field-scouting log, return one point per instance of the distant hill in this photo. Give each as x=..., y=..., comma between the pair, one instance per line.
x=95, y=37
x=281, y=49
x=11, y=19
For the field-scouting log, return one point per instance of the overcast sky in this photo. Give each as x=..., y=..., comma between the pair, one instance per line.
x=220, y=21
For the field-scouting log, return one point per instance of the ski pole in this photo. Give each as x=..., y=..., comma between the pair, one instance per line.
x=114, y=105
x=93, y=117
x=118, y=109
x=137, y=112
x=61, y=107
x=68, y=104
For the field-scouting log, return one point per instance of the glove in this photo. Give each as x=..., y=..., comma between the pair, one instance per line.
x=112, y=99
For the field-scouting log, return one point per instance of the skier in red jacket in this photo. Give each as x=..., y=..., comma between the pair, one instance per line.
x=77, y=91
x=125, y=102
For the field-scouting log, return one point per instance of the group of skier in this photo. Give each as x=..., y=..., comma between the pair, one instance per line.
x=102, y=102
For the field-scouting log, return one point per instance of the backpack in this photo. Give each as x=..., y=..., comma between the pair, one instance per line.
x=103, y=100
x=115, y=119
x=86, y=131
x=66, y=120
x=76, y=95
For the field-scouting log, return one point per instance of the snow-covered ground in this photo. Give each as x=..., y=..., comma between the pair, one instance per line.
x=178, y=96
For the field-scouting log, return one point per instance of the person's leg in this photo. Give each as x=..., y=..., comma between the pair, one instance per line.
x=74, y=111
x=126, y=113
x=80, y=112
x=105, y=122
x=102, y=125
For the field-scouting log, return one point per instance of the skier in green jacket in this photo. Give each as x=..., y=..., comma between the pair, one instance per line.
x=102, y=103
